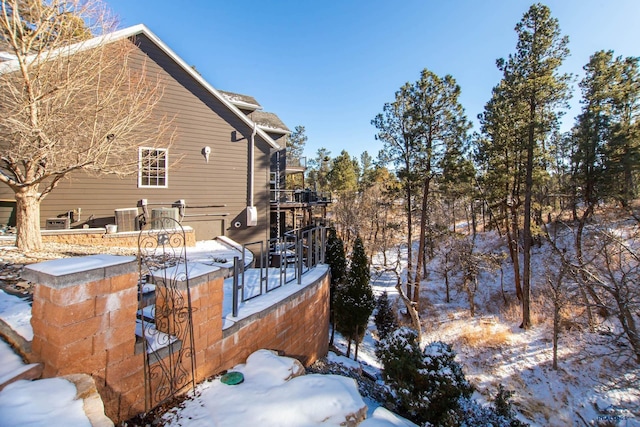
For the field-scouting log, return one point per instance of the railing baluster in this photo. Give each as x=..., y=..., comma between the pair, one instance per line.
x=235, y=286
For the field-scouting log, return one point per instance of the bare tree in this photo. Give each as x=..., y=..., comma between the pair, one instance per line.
x=560, y=292
x=469, y=262
x=69, y=102
x=448, y=262
x=612, y=266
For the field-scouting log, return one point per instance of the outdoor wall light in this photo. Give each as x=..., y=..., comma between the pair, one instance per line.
x=205, y=152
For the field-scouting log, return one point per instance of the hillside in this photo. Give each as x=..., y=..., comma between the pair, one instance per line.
x=597, y=379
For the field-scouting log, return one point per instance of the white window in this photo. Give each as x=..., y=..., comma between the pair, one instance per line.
x=152, y=167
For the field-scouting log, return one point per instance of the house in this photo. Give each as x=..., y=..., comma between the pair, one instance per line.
x=221, y=184
x=290, y=208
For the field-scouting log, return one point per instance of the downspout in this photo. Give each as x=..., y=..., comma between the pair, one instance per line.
x=252, y=163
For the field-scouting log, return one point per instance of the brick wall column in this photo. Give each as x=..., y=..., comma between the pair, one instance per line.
x=205, y=285
x=83, y=318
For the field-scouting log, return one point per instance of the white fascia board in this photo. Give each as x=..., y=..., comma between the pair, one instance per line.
x=274, y=130
x=14, y=65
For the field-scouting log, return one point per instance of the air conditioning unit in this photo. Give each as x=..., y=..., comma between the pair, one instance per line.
x=157, y=215
x=127, y=219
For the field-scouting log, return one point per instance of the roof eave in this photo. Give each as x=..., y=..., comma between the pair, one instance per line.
x=142, y=29
x=274, y=130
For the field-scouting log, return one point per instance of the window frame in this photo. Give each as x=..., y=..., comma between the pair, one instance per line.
x=149, y=169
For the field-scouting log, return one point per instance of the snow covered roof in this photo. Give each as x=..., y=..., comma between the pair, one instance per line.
x=269, y=122
x=245, y=102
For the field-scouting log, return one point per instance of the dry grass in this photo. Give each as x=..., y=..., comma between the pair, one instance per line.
x=540, y=312
x=484, y=335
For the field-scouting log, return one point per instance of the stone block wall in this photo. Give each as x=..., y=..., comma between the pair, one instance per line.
x=297, y=326
x=83, y=319
x=98, y=236
x=84, y=312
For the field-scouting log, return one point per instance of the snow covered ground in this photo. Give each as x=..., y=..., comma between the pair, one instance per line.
x=49, y=402
x=596, y=380
x=275, y=392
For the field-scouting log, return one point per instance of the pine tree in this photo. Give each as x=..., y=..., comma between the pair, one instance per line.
x=385, y=318
x=623, y=148
x=355, y=301
x=445, y=382
x=427, y=385
x=522, y=115
x=319, y=169
x=295, y=150
x=337, y=262
x=343, y=176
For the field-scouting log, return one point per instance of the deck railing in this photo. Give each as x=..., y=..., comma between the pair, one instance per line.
x=300, y=196
x=290, y=257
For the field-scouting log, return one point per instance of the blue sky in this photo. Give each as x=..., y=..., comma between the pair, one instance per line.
x=331, y=65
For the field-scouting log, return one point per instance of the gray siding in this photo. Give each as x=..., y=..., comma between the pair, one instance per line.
x=201, y=120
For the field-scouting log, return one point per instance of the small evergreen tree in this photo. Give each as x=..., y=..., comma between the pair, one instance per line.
x=502, y=411
x=401, y=359
x=337, y=262
x=471, y=414
x=385, y=318
x=427, y=385
x=445, y=383
x=354, y=301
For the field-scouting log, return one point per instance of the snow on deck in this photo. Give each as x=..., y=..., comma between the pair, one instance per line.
x=252, y=283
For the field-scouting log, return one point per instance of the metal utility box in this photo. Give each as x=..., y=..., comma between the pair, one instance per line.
x=252, y=216
x=57, y=224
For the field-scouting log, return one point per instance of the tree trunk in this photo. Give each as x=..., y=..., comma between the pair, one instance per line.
x=422, y=242
x=526, y=232
x=446, y=276
x=332, y=320
x=28, y=236
x=470, y=297
x=357, y=342
x=504, y=296
x=453, y=217
x=409, y=239
x=474, y=225
x=415, y=317
x=512, y=243
x=626, y=318
x=556, y=331
x=583, y=284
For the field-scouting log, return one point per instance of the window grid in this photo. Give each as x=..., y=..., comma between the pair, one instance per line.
x=152, y=171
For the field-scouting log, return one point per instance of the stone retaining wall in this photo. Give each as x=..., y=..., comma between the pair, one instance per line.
x=99, y=236
x=84, y=313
